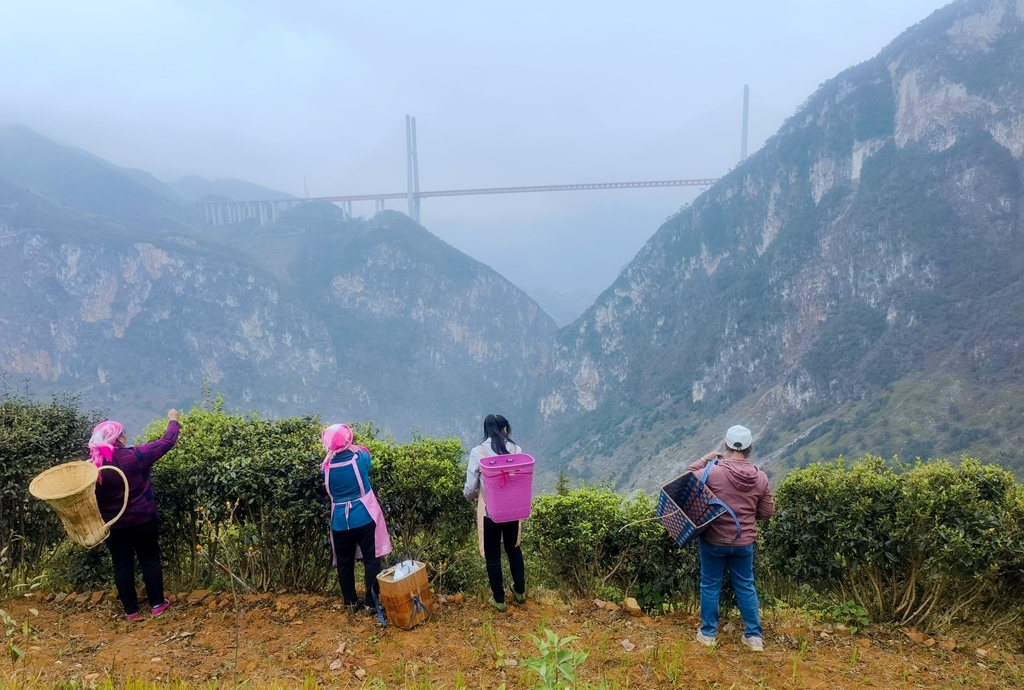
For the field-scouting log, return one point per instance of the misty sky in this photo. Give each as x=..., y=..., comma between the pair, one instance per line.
x=504, y=94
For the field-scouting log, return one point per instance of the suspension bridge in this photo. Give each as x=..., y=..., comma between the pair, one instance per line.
x=221, y=212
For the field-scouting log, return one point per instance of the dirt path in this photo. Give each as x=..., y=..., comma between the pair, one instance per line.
x=293, y=638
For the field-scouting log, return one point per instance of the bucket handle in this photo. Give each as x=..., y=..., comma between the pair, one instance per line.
x=125, y=480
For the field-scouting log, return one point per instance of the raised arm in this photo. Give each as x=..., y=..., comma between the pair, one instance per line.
x=149, y=453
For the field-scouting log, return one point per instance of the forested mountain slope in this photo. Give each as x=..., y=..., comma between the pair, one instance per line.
x=854, y=286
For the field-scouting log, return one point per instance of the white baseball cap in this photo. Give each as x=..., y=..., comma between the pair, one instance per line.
x=738, y=438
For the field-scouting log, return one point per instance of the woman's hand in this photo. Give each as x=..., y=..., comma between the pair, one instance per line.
x=173, y=415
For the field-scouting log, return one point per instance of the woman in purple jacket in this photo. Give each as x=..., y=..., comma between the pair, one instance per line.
x=135, y=534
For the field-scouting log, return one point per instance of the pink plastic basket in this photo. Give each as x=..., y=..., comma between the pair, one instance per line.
x=508, y=486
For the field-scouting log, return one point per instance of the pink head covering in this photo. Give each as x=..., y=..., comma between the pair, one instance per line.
x=101, y=445
x=335, y=438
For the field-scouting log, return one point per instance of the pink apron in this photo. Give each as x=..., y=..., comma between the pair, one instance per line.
x=381, y=539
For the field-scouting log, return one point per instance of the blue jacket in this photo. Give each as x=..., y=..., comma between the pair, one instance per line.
x=343, y=487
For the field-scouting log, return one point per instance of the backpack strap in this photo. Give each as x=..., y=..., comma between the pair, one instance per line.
x=718, y=502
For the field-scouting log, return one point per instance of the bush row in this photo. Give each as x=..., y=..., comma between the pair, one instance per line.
x=929, y=542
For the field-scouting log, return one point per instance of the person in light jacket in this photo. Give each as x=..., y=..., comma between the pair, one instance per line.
x=135, y=534
x=729, y=543
x=492, y=535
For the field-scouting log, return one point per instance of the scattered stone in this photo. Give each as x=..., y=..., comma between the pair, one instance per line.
x=70, y=599
x=458, y=598
x=336, y=664
x=155, y=659
x=360, y=673
x=981, y=653
x=599, y=603
x=930, y=642
x=627, y=645
x=97, y=597
x=865, y=643
x=59, y=598
x=441, y=599
x=48, y=597
x=510, y=663
x=198, y=595
x=182, y=596
x=915, y=636
x=82, y=599
x=948, y=645
x=611, y=606
x=632, y=607
x=340, y=649
x=90, y=677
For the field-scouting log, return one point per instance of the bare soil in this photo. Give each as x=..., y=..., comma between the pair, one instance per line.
x=292, y=640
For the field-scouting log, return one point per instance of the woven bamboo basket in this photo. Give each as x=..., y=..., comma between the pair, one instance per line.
x=407, y=601
x=70, y=489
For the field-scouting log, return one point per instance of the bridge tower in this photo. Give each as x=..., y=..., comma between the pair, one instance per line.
x=413, y=165
x=746, y=118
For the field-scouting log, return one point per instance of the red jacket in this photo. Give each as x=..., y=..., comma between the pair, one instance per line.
x=740, y=485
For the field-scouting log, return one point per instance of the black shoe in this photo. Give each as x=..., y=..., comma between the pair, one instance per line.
x=352, y=608
x=369, y=611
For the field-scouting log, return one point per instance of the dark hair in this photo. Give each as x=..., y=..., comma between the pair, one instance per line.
x=494, y=426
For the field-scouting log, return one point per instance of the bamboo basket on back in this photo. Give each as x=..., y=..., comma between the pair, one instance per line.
x=70, y=489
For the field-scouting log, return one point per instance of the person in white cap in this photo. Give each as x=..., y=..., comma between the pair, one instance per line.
x=729, y=544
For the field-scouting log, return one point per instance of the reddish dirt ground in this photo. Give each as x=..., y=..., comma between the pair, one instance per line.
x=292, y=639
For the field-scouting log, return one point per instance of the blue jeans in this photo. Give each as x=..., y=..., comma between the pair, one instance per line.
x=714, y=559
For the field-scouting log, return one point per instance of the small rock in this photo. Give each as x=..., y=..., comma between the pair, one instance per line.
x=48, y=598
x=824, y=635
x=632, y=607
x=948, y=645
x=510, y=663
x=198, y=595
x=981, y=653
x=59, y=598
x=182, y=596
x=599, y=603
x=82, y=599
x=627, y=645
x=360, y=673
x=96, y=597
x=441, y=599
x=865, y=643
x=915, y=636
x=457, y=598
x=336, y=664
x=611, y=606
x=340, y=649
x=156, y=658
x=89, y=677
x=930, y=642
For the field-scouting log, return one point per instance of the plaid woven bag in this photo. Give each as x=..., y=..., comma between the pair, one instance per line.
x=687, y=506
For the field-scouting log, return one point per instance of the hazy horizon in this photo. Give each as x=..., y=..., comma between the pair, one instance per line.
x=273, y=93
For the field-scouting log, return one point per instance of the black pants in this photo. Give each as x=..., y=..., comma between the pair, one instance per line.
x=127, y=543
x=345, y=542
x=494, y=534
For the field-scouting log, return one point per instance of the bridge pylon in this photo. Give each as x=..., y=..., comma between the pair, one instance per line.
x=413, y=166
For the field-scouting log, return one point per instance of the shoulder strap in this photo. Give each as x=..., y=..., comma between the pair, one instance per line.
x=718, y=502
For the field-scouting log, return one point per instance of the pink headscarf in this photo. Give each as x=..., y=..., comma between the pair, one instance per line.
x=335, y=438
x=101, y=445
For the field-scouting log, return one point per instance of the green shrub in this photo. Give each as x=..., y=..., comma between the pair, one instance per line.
x=593, y=538
x=34, y=436
x=931, y=543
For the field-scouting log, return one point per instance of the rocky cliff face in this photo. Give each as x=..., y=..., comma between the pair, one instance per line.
x=357, y=320
x=876, y=238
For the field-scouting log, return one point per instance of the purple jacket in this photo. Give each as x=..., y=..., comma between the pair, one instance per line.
x=740, y=485
x=137, y=464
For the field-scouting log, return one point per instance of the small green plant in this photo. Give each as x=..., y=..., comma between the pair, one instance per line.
x=15, y=632
x=557, y=663
x=850, y=614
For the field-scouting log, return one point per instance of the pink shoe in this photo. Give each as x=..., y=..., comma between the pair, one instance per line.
x=157, y=610
x=131, y=616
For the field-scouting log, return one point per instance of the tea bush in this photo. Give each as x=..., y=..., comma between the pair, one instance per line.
x=593, y=538
x=932, y=542
x=34, y=435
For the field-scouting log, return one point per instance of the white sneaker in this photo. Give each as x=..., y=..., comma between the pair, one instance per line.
x=706, y=640
x=755, y=643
